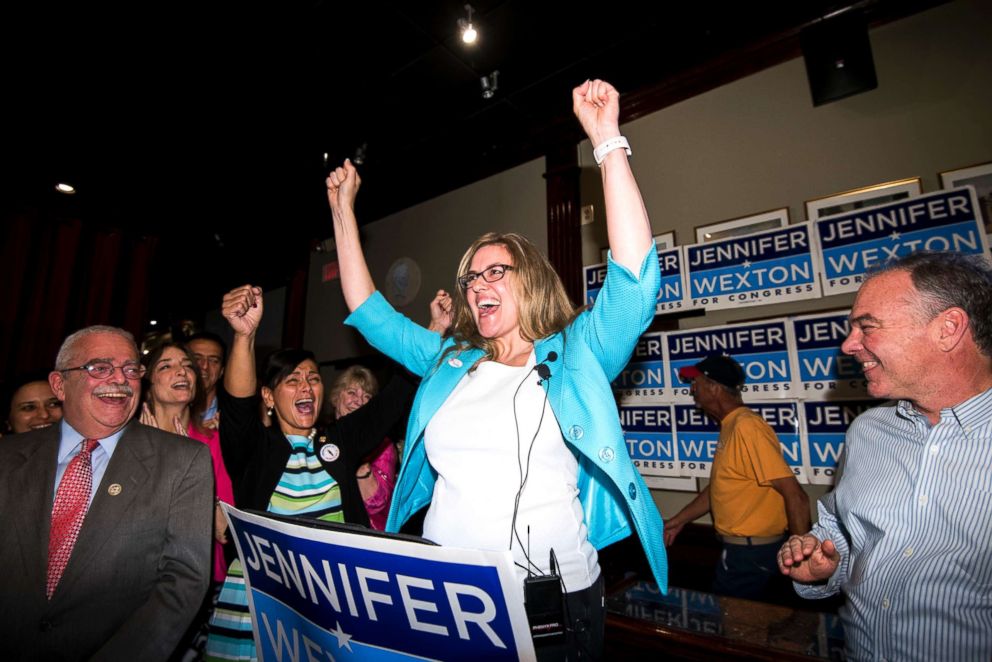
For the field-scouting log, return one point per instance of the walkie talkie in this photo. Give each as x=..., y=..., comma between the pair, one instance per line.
x=544, y=603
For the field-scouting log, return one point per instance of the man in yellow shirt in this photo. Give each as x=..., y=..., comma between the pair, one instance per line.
x=753, y=495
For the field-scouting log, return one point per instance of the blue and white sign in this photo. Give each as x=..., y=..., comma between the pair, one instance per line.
x=593, y=277
x=755, y=269
x=649, y=433
x=671, y=295
x=319, y=594
x=764, y=349
x=643, y=380
x=825, y=372
x=784, y=420
x=697, y=435
x=826, y=426
x=853, y=242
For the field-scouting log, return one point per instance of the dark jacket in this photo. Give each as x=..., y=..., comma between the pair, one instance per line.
x=256, y=456
x=140, y=566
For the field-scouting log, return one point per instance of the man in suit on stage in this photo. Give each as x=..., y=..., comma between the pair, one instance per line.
x=106, y=522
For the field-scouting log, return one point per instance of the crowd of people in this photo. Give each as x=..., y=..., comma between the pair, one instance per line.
x=115, y=465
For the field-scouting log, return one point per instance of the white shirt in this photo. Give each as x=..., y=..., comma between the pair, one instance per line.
x=479, y=442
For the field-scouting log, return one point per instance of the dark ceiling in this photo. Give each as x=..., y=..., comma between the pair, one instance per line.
x=206, y=124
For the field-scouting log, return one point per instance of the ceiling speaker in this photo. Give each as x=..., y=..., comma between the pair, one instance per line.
x=838, y=58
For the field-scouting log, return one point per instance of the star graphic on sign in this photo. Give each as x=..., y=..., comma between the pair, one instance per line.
x=746, y=264
x=344, y=639
x=895, y=235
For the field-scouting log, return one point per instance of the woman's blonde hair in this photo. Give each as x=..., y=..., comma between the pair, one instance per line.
x=544, y=306
x=358, y=375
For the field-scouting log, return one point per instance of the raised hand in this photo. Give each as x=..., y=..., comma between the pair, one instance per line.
x=342, y=187
x=177, y=423
x=807, y=560
x=242, y=308
x=596, y=104
x=441, y=307
x=147, y=417
x=213, y=423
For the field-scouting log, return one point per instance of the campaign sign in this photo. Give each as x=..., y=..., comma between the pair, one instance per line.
x=826, y=426
x=762, y=348
x=697, y=435
x=853, y=242
x=783, y=418
x=593, y=276
x=321, y=594
x=755, y=269
x=825, y=372
x=647, y=429
x=671, y=295
x=643, y=380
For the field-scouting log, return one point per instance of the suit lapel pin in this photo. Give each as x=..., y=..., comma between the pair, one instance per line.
x=114, y=489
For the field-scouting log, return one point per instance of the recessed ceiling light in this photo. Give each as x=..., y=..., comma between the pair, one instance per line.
x=68, y=189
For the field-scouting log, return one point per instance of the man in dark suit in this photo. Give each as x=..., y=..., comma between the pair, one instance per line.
x=106, y=522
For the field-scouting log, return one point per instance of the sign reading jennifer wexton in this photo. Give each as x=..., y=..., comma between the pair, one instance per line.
x=321, y=594
x=763, y=349
x=753, y=270
x=853, y=242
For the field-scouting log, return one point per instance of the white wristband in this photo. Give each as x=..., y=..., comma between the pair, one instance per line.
x=607, y=146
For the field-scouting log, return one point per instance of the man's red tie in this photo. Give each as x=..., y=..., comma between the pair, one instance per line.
x=72, y=500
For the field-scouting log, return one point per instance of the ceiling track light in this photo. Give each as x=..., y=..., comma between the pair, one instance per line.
x=468, y=31
x=489, y=84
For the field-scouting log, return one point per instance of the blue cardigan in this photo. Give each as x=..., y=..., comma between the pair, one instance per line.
x=591, y=351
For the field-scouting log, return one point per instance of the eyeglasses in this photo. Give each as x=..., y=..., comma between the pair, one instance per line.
x=104, y=369
x=490, y=275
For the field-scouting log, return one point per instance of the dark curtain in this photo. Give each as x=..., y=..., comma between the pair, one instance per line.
x=57, y=276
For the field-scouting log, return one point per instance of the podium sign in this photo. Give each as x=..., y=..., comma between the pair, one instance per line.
x=326, y=594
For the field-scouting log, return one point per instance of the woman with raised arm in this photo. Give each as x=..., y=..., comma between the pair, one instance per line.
x=291, y=468
x=494, y=450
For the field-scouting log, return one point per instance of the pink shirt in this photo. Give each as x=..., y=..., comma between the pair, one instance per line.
x=383, y=469
x=222, y=485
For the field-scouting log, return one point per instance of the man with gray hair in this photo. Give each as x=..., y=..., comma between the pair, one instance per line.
x=906, y=535
x=107, y=522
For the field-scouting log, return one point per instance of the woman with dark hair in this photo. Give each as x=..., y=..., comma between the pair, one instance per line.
x=507, y=453
x=174, y=402
x=33, y=405
x=290, y=468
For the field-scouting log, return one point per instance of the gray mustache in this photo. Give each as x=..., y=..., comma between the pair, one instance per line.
x=112, y=389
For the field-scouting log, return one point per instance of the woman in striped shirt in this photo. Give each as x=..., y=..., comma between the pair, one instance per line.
x=291, y=468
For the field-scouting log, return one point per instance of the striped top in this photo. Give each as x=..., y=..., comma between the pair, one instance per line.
x=305, y=488
x=912, y=520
